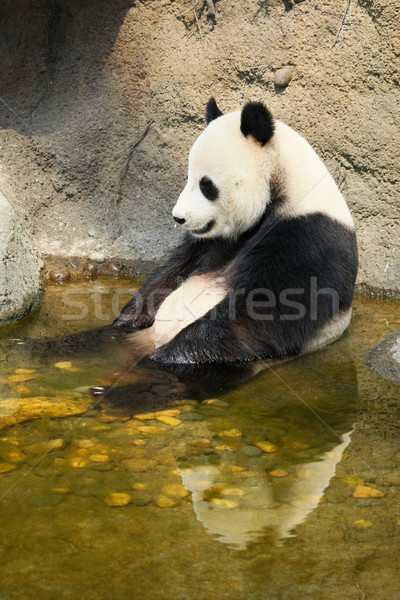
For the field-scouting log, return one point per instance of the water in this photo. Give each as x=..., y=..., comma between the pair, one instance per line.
x=245, y=493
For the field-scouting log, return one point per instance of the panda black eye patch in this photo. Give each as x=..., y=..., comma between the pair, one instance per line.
x=208, y=188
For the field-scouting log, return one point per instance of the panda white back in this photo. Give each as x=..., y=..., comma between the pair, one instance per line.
x=310, y=188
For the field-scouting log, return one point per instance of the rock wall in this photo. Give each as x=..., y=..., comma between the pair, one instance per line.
x=19, y=267
x=101, y=101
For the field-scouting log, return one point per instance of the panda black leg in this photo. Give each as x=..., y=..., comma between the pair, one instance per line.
x=206, y=341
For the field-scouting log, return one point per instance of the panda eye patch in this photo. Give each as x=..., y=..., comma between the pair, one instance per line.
x=208, y=188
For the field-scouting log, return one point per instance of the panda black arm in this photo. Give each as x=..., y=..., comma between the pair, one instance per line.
x=286, y=283
x=140, y=311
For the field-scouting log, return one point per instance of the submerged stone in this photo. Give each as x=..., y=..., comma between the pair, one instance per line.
x=192, y=416
x=61, y=490
x=49, y=500
x=99, y=458
x=279, y=473
x=363, y=491
x=183, y=403
x=268, y=447
x=45, y=447
x=59, y=276
x=141, y=499
x=79, y=462
x=85, y=443
x=224, y=448
x=231, y=491
x=140, y=485
x=20, y=378
x=165, y=501
x=139, y=465
x=6, y=467
x=362, y=524
x=16, y=456
x=22, y=390
x=151, y=429
x=235, y=468
x=251, y=451
x=19, y=410
x=170, y=412
x=64, y=364
x=230, y=433
x=298, y=446
x=118, y=499
x=140, y=442
x=224, y=503
x=216, y=402
x=145, y=416
x=171, y=421
x=174, y=490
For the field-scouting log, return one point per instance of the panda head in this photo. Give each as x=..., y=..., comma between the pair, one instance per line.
x=230, y=167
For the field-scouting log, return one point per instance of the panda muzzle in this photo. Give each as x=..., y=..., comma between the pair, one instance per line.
x=207, y=227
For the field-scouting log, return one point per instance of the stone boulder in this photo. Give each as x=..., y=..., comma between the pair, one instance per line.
x=19, y=267
x=384, y=360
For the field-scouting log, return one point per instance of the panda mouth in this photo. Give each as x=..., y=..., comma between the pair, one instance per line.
x=207, y=227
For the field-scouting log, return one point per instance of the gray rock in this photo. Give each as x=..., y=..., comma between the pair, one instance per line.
x=251, y=451
x=19, y=268
x=193, y=416
x=92, y=231
x=59, y=276
x=97, y=257
x=283, y=77
x=49, y=500
x=384, y=360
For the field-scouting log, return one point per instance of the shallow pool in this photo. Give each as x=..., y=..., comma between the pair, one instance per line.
x=284, y=486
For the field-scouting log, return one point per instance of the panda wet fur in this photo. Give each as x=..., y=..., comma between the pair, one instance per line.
x=268, y=216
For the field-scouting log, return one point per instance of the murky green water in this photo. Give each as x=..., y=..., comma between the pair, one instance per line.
x=247, y=494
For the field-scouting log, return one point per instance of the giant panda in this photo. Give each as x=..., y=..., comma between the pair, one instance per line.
x=268, y=261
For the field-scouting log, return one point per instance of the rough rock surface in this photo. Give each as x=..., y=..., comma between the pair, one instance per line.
x=19, y=267
x=384, y=360
x=82, y=81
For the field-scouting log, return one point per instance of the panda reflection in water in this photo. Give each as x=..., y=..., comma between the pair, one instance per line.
x=268, y=262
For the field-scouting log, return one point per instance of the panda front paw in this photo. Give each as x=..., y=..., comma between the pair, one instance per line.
x=130, y=321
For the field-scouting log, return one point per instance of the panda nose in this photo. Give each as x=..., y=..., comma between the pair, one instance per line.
x=180, y=221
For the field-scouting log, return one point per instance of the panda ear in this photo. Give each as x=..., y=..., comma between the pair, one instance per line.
x=212, y=111
x=257, y=121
